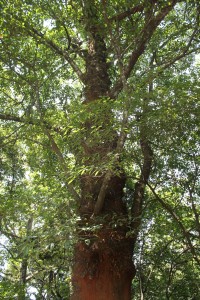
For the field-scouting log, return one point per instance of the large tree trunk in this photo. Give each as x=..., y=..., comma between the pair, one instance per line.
x=103, y=267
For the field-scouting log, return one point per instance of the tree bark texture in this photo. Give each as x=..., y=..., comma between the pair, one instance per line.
x=103, y=260
x=104, y=269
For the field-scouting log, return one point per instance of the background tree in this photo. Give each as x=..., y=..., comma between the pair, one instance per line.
x=99, y=137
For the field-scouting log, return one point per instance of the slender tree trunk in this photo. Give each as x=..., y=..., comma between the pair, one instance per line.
x=24, y=265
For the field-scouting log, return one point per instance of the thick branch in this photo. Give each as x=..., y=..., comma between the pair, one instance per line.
x=184, y=51
x=136, y=209
x=191, y=190
x=101, y=197
x=127, y=13
x=59, y=51
x=120, y=144
x=144, y=37
x=28, y=121
x=24, y=263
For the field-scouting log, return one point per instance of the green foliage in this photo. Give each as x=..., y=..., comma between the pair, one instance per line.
x=165, y=267
x=42, y=97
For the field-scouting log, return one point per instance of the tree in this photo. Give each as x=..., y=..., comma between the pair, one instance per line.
x=90, y=90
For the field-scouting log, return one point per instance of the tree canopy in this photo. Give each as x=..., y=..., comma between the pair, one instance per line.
x=99, y=129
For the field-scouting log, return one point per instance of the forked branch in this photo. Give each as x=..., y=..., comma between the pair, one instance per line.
x=44, y=40
x=143, y=38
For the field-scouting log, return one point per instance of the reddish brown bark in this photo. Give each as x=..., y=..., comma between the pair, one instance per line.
x=103, y=266
x=104, y=269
